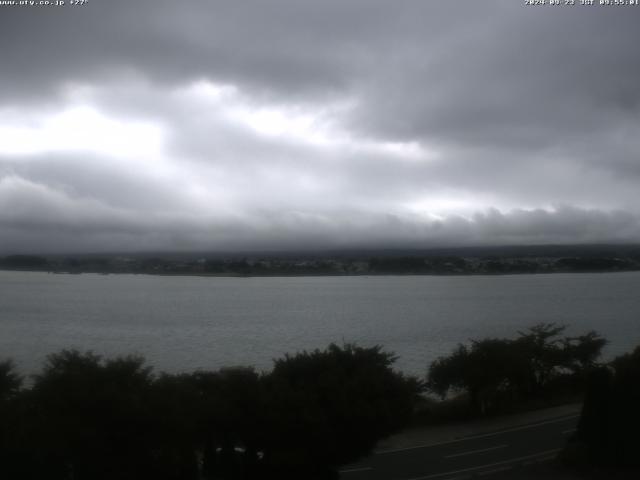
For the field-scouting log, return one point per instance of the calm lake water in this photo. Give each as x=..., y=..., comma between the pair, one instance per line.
x=186, y=323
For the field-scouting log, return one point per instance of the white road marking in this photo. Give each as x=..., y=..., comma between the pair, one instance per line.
x=546, y=453
x=567, y=432
x=471, y=452
x=352, y=470
x=473, y=437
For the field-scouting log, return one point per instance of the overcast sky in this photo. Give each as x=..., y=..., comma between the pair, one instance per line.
x=275, y=124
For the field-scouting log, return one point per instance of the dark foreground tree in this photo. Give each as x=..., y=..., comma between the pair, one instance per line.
x=86, y=418
x=581, y=353
x=493, y=370
x=485, y=370
x=10, y=380
x=231, y=422
x=173, y=410
x=328, y=408
x=10, y=383
x=607, y=433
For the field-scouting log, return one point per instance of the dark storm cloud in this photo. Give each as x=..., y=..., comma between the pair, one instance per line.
x=286, y=123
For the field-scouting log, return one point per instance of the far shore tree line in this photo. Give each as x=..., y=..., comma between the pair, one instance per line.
x=408, y=264
x=87, y=417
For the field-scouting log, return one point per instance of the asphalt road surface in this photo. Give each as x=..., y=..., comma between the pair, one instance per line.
x=473, y=456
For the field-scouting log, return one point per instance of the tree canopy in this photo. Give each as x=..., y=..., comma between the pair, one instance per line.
x=332, y=406
x=607, y=433
x=522, y=367
x=87, y=417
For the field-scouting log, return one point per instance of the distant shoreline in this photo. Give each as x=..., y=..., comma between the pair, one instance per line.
x=451, y=263
x=292, y=275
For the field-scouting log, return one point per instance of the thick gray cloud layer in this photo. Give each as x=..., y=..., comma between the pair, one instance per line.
x=289, y=124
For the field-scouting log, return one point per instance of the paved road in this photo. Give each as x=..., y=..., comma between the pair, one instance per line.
x=470, y=456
